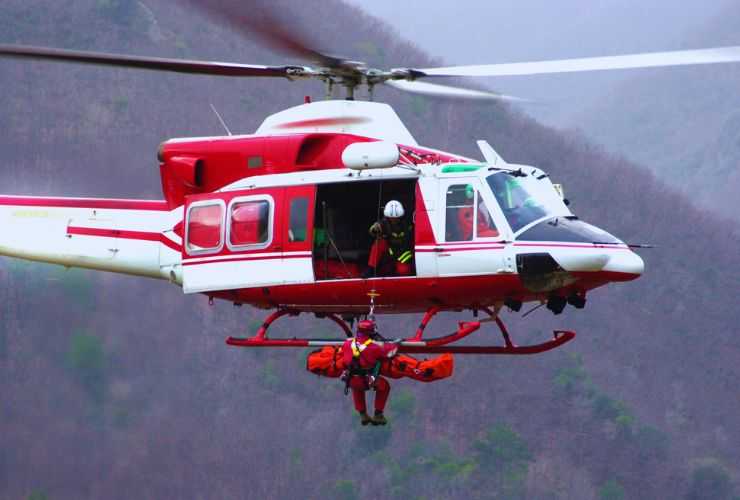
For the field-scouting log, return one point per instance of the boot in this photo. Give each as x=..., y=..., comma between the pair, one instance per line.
x=379, y=418
x=365, y=419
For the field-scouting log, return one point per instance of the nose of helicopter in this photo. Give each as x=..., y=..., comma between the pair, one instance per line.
x=585, y=248
x=625, y=263
x=621, y=263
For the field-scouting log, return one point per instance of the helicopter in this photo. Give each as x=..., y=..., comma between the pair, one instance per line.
x=278, y=219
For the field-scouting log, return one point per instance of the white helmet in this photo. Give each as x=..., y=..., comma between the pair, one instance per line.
x=393, y=209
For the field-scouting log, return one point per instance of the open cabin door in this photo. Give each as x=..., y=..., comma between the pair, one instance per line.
x=245, y=239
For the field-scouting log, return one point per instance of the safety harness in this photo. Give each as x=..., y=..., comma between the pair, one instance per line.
x=399, y=242
x=355, y=370
x=357, y=348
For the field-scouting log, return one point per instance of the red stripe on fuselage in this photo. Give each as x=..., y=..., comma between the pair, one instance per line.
x=468, y=243
x=114, y=204
x=442, y=249
x=615, y=246
x=125, y=234
x=479, y=245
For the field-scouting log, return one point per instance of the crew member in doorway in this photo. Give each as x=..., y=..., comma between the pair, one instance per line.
x=363, y=356
x=391, y=253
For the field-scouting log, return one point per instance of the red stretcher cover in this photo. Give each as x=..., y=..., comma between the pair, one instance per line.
x=328, y=362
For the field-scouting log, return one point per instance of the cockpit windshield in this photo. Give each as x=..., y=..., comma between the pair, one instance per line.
x=525, y=198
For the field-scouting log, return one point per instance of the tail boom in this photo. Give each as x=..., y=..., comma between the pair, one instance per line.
x=124, y=236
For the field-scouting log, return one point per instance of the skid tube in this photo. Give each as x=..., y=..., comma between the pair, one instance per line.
x=414, y=345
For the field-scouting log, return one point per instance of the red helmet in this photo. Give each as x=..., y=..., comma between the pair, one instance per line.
x=366, y=326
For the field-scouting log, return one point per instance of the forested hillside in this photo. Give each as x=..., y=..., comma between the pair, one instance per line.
x=116, y=387
x=684, y=124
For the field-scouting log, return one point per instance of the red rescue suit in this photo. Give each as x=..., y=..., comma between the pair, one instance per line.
x=370, y=353
x=465, y=223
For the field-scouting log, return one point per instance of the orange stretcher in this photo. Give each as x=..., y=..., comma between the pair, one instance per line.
x=327, y=362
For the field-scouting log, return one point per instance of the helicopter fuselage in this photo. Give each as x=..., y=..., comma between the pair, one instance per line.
x=277, y=220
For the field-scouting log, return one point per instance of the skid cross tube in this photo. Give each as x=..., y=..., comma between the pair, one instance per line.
x=464, y=328
x=494, y=315
x=342, y=324
x=424, y=322
x=504, y=332
x=260, y=338
x=262, y=332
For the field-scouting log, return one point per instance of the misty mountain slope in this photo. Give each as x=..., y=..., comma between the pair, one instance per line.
x=116, y=387
x=683, y=124
x=482, y=32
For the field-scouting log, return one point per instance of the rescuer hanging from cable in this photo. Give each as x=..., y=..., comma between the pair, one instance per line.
x=363, y=356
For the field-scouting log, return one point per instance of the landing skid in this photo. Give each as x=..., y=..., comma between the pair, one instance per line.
x=416, y=344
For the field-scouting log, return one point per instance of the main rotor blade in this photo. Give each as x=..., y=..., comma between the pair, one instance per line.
x=434, y=89
x=150, y=63
x=644, y=60
x=259, y=19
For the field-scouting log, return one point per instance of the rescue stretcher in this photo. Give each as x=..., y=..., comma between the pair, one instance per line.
x=329, y=362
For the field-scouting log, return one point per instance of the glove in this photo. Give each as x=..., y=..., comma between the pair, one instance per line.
x=376, y=229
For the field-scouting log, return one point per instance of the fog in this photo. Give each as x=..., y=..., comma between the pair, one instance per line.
x=479, y=32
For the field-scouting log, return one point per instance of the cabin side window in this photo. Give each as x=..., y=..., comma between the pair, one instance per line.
x=204, y=232
x=250, y=223
x=467, y=215
x=484, y=225
x=460, y=212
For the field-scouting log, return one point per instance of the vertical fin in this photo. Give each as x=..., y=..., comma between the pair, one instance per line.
x=490, y=154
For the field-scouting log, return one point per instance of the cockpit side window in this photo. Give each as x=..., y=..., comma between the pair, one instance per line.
x=517, y=199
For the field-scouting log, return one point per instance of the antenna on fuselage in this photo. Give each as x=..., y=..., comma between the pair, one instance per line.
x=223, y=123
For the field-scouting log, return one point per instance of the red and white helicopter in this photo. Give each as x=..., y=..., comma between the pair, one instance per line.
x=278, y=219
